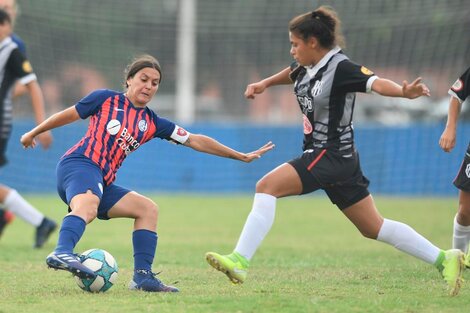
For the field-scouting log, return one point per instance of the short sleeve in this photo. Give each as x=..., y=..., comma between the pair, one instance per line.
x=461, y=88
x=91, y=104
x=164, y=127
x=295, y=70
x=351, y=77
x=20, y=67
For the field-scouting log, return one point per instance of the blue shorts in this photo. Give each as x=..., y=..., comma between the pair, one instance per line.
x=76, y=174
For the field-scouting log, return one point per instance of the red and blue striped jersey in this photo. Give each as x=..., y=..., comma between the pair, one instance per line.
x=116, y=129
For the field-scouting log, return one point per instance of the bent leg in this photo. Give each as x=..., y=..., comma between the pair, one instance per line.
x=144, y=238
x=371, y=224
x=280, y=182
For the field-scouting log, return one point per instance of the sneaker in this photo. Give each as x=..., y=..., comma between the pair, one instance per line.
x=69, y=262
x=233, y=265
x=453, y=266
x=6, y=217
x=43, y=232
x=467, y=259
x=147, y=281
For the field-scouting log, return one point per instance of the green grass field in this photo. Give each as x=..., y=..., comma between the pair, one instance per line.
x=313, y=260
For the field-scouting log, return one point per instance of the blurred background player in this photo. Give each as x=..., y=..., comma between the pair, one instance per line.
x=325, y=82
x=15, y=67
x=459, y=91
x=120, y=122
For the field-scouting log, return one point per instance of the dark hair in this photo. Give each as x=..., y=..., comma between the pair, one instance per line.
x=139, y=63
x=323, y=24
x=4, y=17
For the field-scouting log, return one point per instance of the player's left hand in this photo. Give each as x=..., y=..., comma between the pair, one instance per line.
x=416, y=89
x=27, y=140
x=248, y=157
x=447, y=140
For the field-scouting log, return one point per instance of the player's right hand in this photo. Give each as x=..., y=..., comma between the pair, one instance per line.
x=254, y=89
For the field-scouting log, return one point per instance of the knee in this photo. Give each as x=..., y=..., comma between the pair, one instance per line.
x=87, y=213
x=262, y=186
x=463, y=215
x=150, y=210
x=370, y=234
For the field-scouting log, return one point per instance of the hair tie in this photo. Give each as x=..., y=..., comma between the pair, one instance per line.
x=315, y=15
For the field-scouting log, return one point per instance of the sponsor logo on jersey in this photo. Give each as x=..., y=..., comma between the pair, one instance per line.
x=467, y=170
x=458, y=85
x=143, y=125
x=366, y=71
x=27, y=67
x=308, y=129
x=126, y=142
x=316, y=90
x=305, y=103
x=113, y=127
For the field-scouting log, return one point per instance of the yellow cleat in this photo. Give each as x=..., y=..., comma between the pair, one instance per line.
x=233, y=265
x=453, y=266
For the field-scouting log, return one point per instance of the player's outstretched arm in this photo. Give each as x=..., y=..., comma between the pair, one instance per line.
x=447, y=140
x=209, y=145
x=58, y=119
x=386, y=87
x=281, y=78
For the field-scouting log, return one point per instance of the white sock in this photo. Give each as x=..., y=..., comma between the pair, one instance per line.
x=406, y=239
x=15, y=203
x=257, y=225
x=461, y=236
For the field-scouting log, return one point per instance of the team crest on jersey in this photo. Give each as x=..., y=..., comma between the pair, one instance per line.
x=143, y=125
x=467, y=170
x=366, y=71
x=458, y=85
x=317, y=88
x=27, y=68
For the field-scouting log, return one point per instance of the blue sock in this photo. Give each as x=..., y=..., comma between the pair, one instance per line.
x=70, y=233
x=145, y=245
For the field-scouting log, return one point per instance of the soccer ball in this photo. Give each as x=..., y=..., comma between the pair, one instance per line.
x=105, y=268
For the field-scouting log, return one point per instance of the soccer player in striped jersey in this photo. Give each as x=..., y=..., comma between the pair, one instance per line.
x=14, y=67
x=325, y=83
x=120, y=122
x=459, y=92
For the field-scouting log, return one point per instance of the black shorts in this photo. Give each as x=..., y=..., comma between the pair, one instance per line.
x=340, y=177
x=462, y=181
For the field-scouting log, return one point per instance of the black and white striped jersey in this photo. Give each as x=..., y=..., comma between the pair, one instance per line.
x=13, y=66
x=326, y=95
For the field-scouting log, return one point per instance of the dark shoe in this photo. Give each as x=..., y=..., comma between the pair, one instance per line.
x=148, y=281
x=71, y=263
x=6, y=217
x=43, y=231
